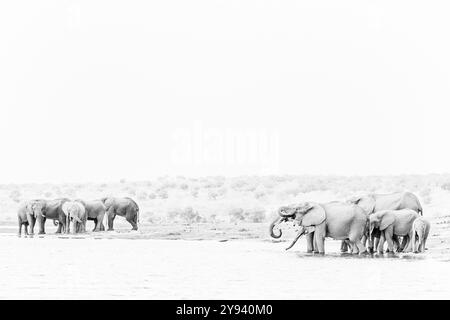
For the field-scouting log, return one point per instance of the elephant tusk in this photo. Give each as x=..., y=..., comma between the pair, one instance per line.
x=300, y=233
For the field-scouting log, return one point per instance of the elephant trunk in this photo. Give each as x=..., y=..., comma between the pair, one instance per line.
x=40, y=220
x=276, y=222
x=299, y=234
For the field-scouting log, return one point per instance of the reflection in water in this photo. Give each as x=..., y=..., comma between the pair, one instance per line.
x=333, y=256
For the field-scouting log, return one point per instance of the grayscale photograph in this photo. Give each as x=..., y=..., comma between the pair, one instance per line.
x=224, y=149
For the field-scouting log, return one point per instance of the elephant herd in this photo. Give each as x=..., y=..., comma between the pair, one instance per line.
x=73, y=214
x=364, y=224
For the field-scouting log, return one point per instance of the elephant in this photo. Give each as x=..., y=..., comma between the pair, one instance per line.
x=27, y=214
x=337, y=220
x=52, y=210
x=76, y=214
x=393, y=223
x=95, y=210
x=421, y=229
x=373, y=202
x=125, y=207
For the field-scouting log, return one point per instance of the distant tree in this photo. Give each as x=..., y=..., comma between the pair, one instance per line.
x=236, y=214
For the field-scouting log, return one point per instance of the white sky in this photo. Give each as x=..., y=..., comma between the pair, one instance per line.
x=97, y=90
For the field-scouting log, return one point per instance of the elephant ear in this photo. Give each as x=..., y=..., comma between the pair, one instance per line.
x=387, y=219
x=29, y=208
x=367, y=203
x=354, y=200
x=81, y=209
x=314, y=216
x=65, y=207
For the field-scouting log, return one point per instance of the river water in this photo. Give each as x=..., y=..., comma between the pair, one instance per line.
x=77, y=268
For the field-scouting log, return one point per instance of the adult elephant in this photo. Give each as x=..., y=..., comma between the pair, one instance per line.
x=95, y=210
x=393, y=223
x=27, y=214
x=125, y=207
x=374, y=202
x=392, y=201
x=75, y=215
x=52, y=210
x=337, y=220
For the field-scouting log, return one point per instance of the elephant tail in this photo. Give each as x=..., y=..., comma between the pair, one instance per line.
x=56, y=222
x=137, y=215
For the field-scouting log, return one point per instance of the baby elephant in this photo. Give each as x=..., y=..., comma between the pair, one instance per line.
x=392, y=224
x=421, y=229
x=76, y=213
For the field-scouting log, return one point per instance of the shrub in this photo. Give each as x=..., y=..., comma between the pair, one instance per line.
x=446, y=186
x=184, y=186
x=190, y=216
x=236, y=214
x=142, y=195
x=15, y=195
x=163, y=194
x=255, y=215
x=71, y=193
x=212, y=195
x=187, y=215
x=259, y=193
x=48, y=194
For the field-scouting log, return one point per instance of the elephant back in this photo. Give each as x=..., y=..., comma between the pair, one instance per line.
x=135, y=205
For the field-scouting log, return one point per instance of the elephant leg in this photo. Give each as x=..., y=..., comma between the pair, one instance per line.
x=424, y=242
x=31, y=221
x=41, y=223
x=361, y=248
x=364, y=241
x=370, y=245
x=67, y=225
x=131, y=217
x=418, y=245
x=319, y=239
x=388, y=235
x=60, y=226
x=20, y=228
x=99, y=222
x=111, y=217
x=32, y=227
x=404, y=243
x=316, y=248
x=355, y=240
x=310, y=242
x=353, y=247
x=344, y=246
x=409, y=242
x=414, y=245
x=380, y=243
x=395, y=242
